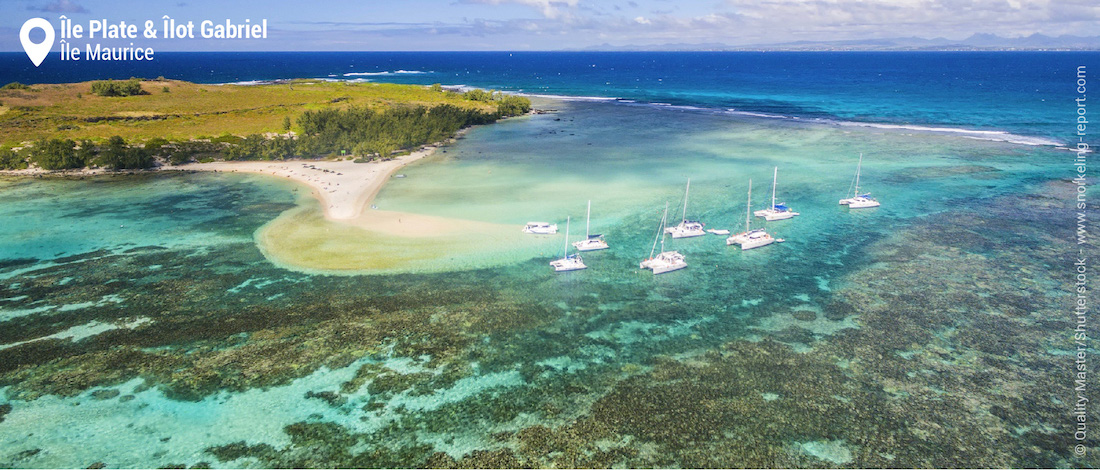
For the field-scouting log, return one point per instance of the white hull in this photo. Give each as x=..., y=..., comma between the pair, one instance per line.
x=750, y=240
x=862, y=203
x=859, y=201
x=770, y=215
x=687, y=233
x=718, y=231
x=591, y=244
x=540, y=228
x=568, y=264
x=686, y=229
x=664, y=262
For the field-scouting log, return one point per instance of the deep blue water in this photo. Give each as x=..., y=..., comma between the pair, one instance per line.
x=1025, y=93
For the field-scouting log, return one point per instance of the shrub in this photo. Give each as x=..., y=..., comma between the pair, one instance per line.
x=10, y=160
x=155, y=146
x=119, y=156
x=129, y=87
x=56, y=154
x=227, y=139
x=15, y=86
x=478, y=95
x=513, y=106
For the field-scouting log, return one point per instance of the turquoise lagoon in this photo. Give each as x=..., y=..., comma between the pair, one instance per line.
x=143, y=325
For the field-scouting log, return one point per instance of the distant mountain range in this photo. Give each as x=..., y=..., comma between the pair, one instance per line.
x=977, y=42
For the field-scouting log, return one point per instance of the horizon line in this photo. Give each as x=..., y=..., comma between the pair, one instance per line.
x=629, y=51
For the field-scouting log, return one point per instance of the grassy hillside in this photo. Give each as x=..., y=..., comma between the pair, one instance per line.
x=180, y=111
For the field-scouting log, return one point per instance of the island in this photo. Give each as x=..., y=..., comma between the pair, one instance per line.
x=343, y=139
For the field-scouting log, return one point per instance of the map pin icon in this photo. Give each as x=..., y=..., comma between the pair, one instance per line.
x=37, y=52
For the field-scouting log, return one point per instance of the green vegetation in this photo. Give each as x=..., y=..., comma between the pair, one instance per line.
x=299, y=119
x=10, y=160
x=66, y=154
x=478, y=95
x=513, y=105
x=56, y=154
x=15, y=86
x=368, y=132
x=129, y=87
x=119, y=156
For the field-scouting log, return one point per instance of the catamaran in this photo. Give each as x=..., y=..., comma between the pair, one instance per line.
x=687, y=228
x=540, y=228
x=665, y=261
x=568, y=263
x=859, y=201
x=750, y=238
x=776, y=211
x=590, y=242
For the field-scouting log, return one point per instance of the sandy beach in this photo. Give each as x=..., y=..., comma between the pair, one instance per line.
x=343, y=187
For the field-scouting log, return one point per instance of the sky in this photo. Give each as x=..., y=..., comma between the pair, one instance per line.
x=366, y=25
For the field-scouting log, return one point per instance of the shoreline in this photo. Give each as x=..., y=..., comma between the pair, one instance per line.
x=343, y=188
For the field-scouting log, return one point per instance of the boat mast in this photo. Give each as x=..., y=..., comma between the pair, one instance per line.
x=748, y=208
x=587, y=219
x=660, y=231
x=858, y=166
x=775, y=177
x=688, y=189
x=565, y=250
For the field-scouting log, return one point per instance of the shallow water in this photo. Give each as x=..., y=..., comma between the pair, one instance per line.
x=912, y=335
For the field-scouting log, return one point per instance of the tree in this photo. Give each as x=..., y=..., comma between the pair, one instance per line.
x=436, y=88
x=513, y=105
x=286, y=123
x=120, y=156
x=155, y=146
x=87, y=151
x=9, y=160
x=56, y=154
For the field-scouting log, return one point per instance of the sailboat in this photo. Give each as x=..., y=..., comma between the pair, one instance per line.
x=859, y=201
x=776, y=211
x=750, y=238
x=665, y=261
x=590, y=242
x=686, y=228
x=568, y=263
x=540, y=228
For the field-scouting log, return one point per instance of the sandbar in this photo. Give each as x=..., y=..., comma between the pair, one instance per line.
x=344, y=188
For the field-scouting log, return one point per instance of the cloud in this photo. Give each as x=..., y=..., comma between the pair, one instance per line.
x=552, y=9
x=59, y=6
x=925, y=18
x=642, y=20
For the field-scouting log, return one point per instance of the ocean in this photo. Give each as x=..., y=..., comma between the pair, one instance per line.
x=1001, y=91
x=148, y=321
